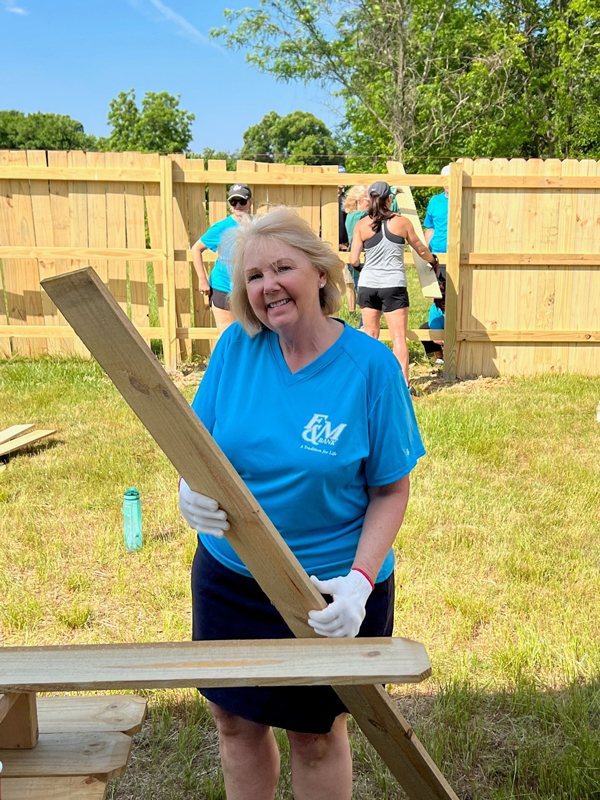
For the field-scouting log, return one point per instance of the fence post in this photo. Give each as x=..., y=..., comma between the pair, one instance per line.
x=453, y=270
x=166, y=219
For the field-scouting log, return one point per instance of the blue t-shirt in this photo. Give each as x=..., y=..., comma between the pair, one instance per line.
x=220, y=277
x=308, y=444
x=437, y=218
x=436, y=318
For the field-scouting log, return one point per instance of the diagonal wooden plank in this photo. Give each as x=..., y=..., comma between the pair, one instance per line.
x=170, y=665
x=22, y=441
x=14, y=431
x=427, y=278
x=144, y=384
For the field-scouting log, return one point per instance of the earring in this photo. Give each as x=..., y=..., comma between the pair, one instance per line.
x=321, y=286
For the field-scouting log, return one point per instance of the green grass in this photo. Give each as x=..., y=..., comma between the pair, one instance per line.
x=498, y=571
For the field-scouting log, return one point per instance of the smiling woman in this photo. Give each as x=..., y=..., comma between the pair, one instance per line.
x=316, y=418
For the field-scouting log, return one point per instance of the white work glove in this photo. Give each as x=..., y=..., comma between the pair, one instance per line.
x=342, y=617
x=202, y=513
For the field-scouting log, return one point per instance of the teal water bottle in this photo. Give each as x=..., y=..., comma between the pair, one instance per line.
x=132, y=519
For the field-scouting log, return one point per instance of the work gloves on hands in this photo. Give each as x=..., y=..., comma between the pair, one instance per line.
x=202, y=513
x=342, y=617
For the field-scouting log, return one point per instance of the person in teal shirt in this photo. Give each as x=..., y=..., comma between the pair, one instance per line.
x=356, y=206
x=436, y=219
x=218, y=286
x=317, y=420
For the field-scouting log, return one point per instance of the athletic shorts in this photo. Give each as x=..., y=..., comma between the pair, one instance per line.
x=389, y=299
x=218, y=299
x=348, y=279
x=227, y=605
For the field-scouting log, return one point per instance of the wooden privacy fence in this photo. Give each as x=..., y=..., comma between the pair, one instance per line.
x=523, y=249
x=133, y=217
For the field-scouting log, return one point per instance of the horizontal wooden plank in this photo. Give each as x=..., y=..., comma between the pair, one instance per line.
x=24, y=441
x=530, y=259
x=102, y=755
x=212, y=334
x=307, y=178
x=307, y=662
x=78, y=788
x=64, y=331
x=530, y=182
x=418, y=335
x=79, y=174
x=528, y=337
x=14, y=431
x=184, y=175
x=99, y=713
x=80, y=253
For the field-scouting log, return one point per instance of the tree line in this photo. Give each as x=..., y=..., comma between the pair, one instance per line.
x=423, y=80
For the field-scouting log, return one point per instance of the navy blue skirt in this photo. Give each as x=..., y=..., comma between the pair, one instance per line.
x=227, y=605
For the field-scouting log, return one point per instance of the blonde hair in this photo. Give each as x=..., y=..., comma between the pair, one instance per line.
x=281, y=224
x=355, y=194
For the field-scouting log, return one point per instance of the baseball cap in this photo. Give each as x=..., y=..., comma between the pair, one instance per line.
x=381, y=188
x=445, y=170
x=241, y=190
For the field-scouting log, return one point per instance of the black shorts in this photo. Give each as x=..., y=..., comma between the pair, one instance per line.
x=385, y=300
x=227, y=605
x=218, y=299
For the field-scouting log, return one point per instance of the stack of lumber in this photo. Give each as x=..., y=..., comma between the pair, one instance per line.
x=18, y=436
x=83, y=742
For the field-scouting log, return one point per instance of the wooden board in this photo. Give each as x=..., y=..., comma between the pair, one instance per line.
x=19, y=726
x=21, y=279
x=102, y=755
x=14, y=431
x=182, y=269
x=406, y=206
x=195, y=455
x=91, y=714
x=78, y=788
x=23, y=441
x=306, y=662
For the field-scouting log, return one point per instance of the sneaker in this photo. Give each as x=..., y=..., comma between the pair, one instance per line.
x=438, y=361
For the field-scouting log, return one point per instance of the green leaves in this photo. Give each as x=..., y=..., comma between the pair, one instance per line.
x=432, y=79
x=297, y=138
x=159, y=126
x=39, y=131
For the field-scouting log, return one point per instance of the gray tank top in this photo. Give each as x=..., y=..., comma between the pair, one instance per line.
x=384, y=261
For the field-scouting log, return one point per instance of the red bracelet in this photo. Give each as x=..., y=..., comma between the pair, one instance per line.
x=362, y=572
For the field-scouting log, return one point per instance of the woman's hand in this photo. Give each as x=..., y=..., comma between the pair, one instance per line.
x=343, y=617
x=202, y=513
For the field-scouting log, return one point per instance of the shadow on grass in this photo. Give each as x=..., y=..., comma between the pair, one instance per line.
x=525, y=743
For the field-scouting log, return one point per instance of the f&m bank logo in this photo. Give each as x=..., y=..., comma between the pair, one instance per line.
x=320, y=431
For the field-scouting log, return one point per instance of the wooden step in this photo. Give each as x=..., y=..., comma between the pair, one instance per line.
x=79, y=788
x=263, y=662
x=101, y=755
x=123, y=713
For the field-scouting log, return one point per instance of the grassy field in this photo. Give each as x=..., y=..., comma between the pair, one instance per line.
x=498, y=567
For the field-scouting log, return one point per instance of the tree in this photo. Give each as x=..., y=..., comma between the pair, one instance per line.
x=159, y=126
x=452, y=77
x=297, y=138
x=38, y=131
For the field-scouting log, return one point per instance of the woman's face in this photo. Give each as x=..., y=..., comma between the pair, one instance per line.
x=282, y=285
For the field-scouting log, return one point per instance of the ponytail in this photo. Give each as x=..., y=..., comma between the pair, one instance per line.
x=378, y=211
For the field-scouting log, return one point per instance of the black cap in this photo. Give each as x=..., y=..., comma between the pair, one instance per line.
x=380, y=188
x=241, y=190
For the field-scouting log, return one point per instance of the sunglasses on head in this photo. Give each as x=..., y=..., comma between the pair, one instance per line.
x=236, y=201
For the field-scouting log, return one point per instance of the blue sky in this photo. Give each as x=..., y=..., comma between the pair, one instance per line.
x=72, y=58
